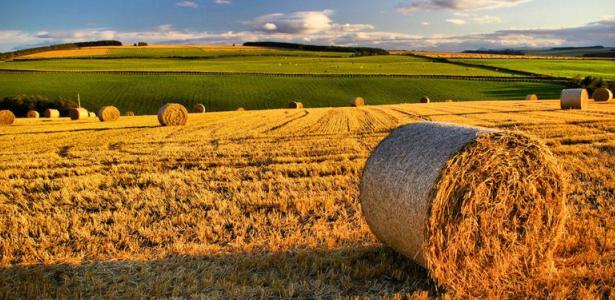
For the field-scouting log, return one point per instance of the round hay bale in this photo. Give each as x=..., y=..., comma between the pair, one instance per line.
x=531, y=97
x=481, y=209
x=240, y=109
x=425, y=99
x=574, y=99
x=78, y=113
x=449, y=101
x=295, y=105
x=130, y=114
x=173, y=114
x=358, y=101
x=602, y=95
x=7, y=117
x=92, y=114
x=108, y=114
x=199, y=108
x=32, y=114
x=51, y=113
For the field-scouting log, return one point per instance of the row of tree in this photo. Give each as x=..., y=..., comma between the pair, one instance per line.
x=358, y=51
x=21, y=104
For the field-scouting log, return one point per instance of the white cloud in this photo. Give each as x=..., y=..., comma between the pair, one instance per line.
x=187, y=4
x=270, y=27
x=303, y=22
x=455, y=5
x=425, y=23
x=456, y=21
x=486, y=20
x=222, y=2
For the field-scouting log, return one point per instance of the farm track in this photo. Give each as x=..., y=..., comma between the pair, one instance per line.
x=305, y=75
x=258, y=204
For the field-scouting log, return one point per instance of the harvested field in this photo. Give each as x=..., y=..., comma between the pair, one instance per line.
x=260, y=204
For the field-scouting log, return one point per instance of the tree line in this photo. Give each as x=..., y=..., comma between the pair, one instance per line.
x=67, y=46
x=358, y=51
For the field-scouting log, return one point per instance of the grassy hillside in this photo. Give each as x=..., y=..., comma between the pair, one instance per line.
x=267, y=64
x=146, y=93
x=558, y=68
x=261, y=204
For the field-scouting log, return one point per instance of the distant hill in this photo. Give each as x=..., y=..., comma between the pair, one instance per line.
x=67, y=46
x=361, y=51
x=592, y=51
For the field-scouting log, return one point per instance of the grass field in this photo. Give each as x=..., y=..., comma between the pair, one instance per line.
x=259, y=204
x=553, y=67
x=264, y=64
x=144, y=94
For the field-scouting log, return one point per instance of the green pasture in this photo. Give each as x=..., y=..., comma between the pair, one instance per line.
x=552, y=67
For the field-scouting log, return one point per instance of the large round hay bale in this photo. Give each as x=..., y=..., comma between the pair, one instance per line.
x=602, y=95
x=358, y=101
x=130, y=114
x=32, y=114
x=199, y=108
x=7, y=117
x=531, y=97
x=173, y=114
x=51, y=113
x=574, y=99
x=78, y=113
x=480, y=209
x=108, y=114
x=425, y=99
x=295, y=105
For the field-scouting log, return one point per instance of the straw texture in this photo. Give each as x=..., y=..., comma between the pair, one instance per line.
x=199, y=108
x=574, y=99
x=173, y=114
x=51, y=113
x=108, y=114
x=7, y=117
x=78, y=113
x=480, y=209
x=602, y=95
x=32, y=114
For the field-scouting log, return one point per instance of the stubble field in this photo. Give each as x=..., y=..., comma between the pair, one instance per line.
x=259, y=204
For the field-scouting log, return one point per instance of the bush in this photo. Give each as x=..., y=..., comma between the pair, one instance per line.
x=358, y=51
x=21, y=104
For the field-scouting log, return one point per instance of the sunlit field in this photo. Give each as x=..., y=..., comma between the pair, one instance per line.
x=260, y=204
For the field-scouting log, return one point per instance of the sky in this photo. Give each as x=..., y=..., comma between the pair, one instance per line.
x=432, y=25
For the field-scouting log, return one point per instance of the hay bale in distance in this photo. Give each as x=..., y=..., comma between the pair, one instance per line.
x=92, y=114
x=7, y=117
x=574, y=99
x=480, y=209
x=240, y=109
x=199, y=108
x=602, y=95
x=531, y=97
x=449, y=101
x=108, y=114
x=130, y=114
x=173, y=114
x=78, y=113
x=51, y=113
x=425, y=99
x=32, y=114
x=358, y=101
x=295, y=105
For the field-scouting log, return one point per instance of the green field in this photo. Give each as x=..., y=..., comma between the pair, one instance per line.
x=557, y=68
x=392, y=64
x=144, y=94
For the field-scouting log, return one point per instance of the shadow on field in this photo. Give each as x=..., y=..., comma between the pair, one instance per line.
x=374, y=271
x=543, y=92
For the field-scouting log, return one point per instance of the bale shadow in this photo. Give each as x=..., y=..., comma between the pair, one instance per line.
x=348, y=272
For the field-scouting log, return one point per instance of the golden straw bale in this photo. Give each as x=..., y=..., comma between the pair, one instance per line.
x=295, y=105
x=425, y=99
x=7, y=117
x=130, y=114
x=574, y=99
x=108, y=114
x=173, y=114
x=33, y=114
x=358, y=101
x=78, y=113
x=199, y=108
x=531, y=97
x=51, y=113
x=481, y=209
x=602, y=95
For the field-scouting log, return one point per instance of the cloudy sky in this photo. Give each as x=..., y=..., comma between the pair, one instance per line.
x=444, y=25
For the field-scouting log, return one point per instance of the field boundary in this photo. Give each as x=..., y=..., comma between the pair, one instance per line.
x=302, y=75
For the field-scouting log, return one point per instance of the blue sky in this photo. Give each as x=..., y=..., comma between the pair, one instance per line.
x=449, y=25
